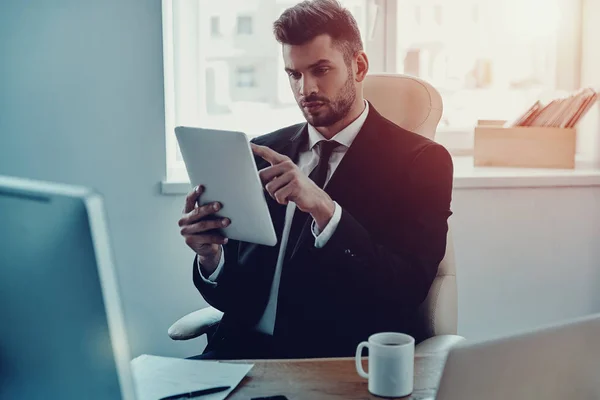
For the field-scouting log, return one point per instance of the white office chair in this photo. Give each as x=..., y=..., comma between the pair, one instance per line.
x=416, y=106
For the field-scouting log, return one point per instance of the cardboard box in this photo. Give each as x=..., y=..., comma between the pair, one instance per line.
x=524, y=147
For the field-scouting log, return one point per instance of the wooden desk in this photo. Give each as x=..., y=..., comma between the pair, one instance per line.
x=328, y=379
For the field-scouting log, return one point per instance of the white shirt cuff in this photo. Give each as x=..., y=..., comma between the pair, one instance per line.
x=321, y=238
x=212, y=279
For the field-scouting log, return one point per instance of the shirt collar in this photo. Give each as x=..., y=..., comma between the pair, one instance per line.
x=344, y=137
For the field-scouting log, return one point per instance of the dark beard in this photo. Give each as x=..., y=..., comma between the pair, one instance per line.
x=337, y=109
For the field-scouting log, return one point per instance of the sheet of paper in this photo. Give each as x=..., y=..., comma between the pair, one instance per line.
x=156, y=377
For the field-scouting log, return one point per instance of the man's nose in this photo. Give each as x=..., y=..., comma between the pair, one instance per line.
x=308, y=86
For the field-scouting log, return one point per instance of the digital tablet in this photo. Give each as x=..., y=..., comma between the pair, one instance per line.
x=223, y=162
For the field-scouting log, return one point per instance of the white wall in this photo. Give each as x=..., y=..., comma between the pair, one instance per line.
x=81, y=101
x=525, y=257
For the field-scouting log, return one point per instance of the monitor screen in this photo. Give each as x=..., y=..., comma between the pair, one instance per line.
x=55, y=340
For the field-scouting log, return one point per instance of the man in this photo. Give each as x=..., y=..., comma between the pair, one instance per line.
x=352, y=259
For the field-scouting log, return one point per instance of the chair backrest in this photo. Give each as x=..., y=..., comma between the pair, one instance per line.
x=416, y=106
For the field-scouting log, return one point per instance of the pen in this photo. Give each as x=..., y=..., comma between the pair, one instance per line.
x=196, y=393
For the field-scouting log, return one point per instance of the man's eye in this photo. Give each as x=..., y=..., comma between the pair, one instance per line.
x=294, y=75
x=321, y=71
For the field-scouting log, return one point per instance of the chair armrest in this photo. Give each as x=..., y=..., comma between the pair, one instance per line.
x=195, y=324
x=438, y=344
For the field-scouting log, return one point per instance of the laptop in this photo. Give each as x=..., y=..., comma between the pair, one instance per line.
x=551, y=363
x=62, y=334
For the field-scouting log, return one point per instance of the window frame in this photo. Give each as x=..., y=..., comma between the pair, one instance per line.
x=381, y=47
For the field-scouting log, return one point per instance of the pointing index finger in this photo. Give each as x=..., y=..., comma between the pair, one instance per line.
x=268, y=154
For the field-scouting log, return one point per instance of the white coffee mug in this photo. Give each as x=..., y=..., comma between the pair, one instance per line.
x=391, y=364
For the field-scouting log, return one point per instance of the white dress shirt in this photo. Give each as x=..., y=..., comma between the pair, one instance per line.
x=307, y=161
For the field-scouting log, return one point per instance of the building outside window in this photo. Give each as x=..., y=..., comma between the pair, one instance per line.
x=246, y=77
x=215, y=26
x=244, y=25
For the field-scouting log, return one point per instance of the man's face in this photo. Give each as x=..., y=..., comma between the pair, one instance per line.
x=323, y=85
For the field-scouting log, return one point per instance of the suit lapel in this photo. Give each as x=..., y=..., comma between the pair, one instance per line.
x=291, y=147
x=355, y=162
x=358, y=158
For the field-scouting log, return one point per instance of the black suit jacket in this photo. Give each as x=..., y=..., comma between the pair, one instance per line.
x=394, y=188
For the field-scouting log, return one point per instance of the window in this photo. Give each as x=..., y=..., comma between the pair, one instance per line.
x=208, y=79
x=215, y=26
x=244, y=25
x=418, y=14
x=438, y=14
x=489, y=59
x=246, y=77
x=475, y=14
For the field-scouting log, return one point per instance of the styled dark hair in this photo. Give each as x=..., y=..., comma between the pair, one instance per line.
x=305, y=21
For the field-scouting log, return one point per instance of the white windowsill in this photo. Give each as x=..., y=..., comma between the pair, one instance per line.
x=466, y=176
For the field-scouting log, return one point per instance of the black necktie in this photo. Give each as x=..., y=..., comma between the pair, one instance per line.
x=319, y=176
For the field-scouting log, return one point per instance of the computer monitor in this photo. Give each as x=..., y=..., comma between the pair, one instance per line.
x=62, y=332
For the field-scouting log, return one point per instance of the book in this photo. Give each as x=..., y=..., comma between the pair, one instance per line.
x=564, y=112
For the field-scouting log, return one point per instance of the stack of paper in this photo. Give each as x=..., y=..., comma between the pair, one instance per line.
x=157, y=377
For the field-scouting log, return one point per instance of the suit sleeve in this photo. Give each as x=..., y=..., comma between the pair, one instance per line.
x=217, y=294
x=212, y=278
x=398, y=270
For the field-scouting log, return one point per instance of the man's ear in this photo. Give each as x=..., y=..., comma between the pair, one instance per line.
x=362, y=66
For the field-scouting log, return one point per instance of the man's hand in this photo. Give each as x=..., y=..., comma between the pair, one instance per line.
x=197, y=227
x=285, y=182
